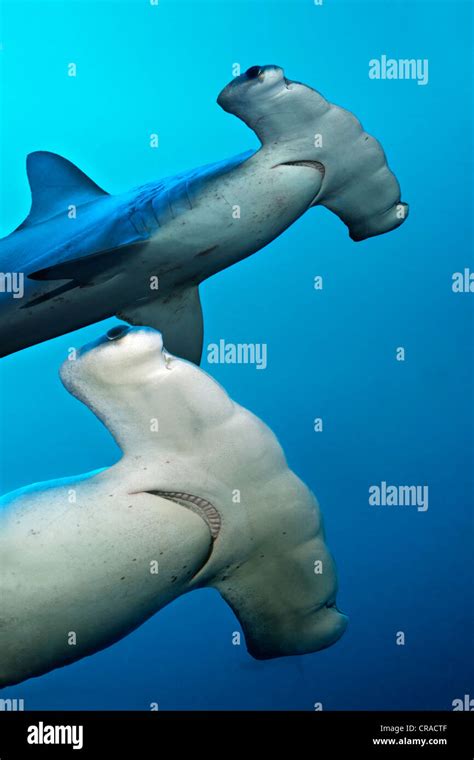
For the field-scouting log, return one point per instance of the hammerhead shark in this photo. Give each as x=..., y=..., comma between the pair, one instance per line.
x=82, y=255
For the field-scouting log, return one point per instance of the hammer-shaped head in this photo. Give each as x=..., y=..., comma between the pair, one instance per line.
x=297, y=124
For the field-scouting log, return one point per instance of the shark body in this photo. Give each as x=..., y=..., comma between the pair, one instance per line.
x=85, y=255
x=208, y=502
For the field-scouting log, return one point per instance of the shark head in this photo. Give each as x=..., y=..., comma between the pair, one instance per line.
x=205, y=449
x=298, y=126
x=255, y=93
x=274, y=106
x=115, y=358
x=128, y=379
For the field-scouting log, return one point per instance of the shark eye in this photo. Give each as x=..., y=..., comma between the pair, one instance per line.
x=255, y=72
x=117, y=332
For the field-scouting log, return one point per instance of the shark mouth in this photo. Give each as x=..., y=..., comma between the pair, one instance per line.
x=201, y=507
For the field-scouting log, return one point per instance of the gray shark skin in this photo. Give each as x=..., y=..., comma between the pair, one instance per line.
x=86, y=255
x=203, y=499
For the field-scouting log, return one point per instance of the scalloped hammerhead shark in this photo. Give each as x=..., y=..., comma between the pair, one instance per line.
x=141, y=255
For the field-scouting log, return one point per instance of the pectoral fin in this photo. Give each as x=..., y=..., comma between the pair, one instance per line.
x=177, y=316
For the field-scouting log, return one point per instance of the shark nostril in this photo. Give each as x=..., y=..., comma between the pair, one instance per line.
x=117, y=332
x=254, y=72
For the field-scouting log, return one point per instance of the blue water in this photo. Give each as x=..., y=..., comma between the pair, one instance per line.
x=331, y=353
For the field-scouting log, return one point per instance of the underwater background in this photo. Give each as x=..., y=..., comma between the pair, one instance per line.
x=143, y=69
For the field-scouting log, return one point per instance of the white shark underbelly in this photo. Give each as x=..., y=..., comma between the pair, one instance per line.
x=202, y=496
x=84, y=573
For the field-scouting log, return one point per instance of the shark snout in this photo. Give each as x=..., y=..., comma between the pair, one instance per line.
x=120, y=352
x=124, y=357
x=254, y=72
x=255, y=82
x=126, y=339
x=262, y=73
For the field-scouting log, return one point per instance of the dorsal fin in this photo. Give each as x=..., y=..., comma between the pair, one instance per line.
x=55, y=184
